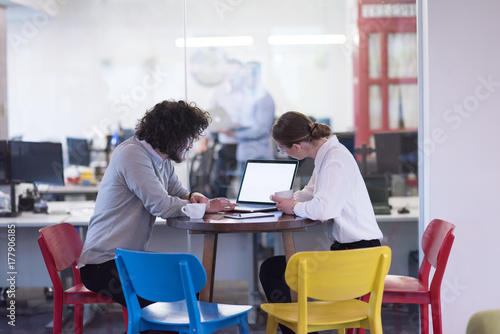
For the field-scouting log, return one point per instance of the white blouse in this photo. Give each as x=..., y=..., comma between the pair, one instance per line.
x=337, y=195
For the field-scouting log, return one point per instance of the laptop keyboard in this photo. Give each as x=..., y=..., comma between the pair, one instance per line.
x=256, y=206
x=249, y=207
x=382, y=209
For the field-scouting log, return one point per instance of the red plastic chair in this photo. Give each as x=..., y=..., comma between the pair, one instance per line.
x=61, y=247
x=436, y=245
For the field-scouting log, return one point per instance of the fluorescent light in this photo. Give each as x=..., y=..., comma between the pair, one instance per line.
x=214, y=41
x=306, y=39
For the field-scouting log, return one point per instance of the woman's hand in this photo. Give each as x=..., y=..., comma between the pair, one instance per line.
x=284, y=204
x=220, y=204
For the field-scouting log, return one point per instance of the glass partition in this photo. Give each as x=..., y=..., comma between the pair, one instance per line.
x=300, y=48
x=96, y=66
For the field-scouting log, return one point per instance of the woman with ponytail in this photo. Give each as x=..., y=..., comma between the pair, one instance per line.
x=336, y=194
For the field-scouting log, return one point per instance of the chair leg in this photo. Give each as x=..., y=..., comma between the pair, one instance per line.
x=78, y=318
x=375, y=325
x=243, y=325
x=125, y=317
x=57, y=317
x=366, y=299
x=436, y=316
x=424, y=318
x=272, y=325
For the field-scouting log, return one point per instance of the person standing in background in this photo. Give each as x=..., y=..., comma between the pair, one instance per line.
x=255, y=119
x=230, y=98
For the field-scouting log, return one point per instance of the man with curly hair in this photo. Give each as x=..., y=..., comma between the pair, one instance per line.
x=139, y=185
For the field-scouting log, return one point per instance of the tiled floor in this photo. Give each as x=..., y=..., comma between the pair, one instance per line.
x=34, y=313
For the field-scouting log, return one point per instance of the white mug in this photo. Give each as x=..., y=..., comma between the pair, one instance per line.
x=194, y=210
x=288, y=194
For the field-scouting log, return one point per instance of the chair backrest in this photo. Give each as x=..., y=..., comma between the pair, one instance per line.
x=61, y=247
x=339, y=275
x=437, y=240
x=434, y=237
x=160, y=277
x=157, y=276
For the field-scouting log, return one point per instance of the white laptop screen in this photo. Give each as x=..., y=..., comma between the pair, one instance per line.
x=263, y=178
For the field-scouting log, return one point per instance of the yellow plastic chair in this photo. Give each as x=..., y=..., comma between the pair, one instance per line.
x=332, y=282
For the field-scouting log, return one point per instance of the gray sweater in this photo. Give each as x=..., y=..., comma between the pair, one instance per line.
x=137, y=187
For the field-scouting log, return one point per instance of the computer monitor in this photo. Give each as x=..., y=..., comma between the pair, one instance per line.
x=36, y=162
x=78, y=151
x=4, y=162
x=397, y=152
x=126, y=134
x=346, y=139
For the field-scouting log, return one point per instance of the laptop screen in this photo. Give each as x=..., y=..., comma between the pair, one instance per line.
x=220, y=119
x=262, y=178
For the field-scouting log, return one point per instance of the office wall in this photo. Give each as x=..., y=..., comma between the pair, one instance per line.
x=461, y=118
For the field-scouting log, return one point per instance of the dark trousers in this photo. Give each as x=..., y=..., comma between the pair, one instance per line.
x=103, y=278
x=272, y=275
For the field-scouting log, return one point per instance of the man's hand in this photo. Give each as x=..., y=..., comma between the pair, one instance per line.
x=199, y=198
x=220, y=204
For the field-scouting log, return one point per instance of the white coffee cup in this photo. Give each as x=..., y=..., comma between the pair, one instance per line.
x=288, y=194
x=194, y=210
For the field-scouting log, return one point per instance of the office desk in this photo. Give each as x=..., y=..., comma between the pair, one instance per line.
x=213, y=224
x=400, y=233
x=71, y=192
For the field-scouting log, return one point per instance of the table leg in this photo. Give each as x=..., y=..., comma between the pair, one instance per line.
x=209, y=256
x=289, y=246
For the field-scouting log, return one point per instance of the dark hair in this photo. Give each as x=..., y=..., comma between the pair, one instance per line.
x=294, y=127
x=169, y=125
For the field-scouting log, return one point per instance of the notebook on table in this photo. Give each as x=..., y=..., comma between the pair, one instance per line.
x=260, y=180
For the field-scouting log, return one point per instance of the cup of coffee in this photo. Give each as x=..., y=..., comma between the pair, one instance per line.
x=194, y=210
x=288, y=194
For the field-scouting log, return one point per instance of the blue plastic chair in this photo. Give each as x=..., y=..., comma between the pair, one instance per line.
x=171, y=280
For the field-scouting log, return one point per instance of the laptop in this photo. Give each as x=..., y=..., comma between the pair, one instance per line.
x=220, y=119
x=260, y=180
x=378, y=190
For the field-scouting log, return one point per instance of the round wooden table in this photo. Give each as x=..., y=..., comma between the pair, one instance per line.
x=214, y=223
